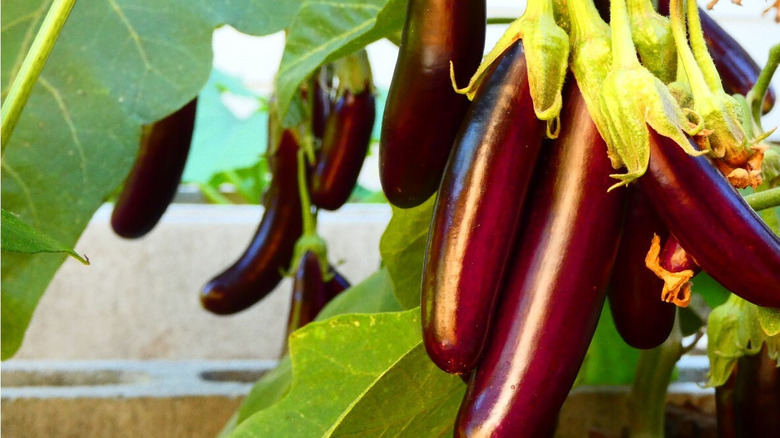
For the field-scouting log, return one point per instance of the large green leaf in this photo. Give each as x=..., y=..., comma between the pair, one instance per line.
x=324, y=31
x=118, y=64
x=360, y=374
x=20, y=237
x=403, y=249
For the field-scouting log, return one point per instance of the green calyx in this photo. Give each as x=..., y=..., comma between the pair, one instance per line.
x=354, y=73
x=316, y=244
x=738, y=328
x=633, y=98
x=652, y=36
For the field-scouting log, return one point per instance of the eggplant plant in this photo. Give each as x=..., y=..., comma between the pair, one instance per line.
x=557, y=218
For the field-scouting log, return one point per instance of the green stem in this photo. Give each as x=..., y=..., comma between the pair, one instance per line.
x=623, y=50
x=699, y=47
x=32, y=67
x=500, y=20
x=213, y=195
x=585, y=19
x=641, y=8
x=765, y=199
x=309, y=224
x=695, y=77
x=354, y=72
x=755, y=96
x=647, y=398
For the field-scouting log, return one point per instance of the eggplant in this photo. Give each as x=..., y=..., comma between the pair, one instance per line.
x=322, y=105
x=423, y=112
x=477, y=212
x=555, y=290
x=259, y=269
x=344, y=145
x=757, y=396
x=309, y=293
x=738, y=70
x=713, y=222
x=337, y=283
x=152, y=183
x=674, y=258
x=724, y=407
x=641, y=318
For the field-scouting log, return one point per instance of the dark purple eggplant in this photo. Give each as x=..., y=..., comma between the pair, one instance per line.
x=477, y=212
x=555, y=290
x=713, y=222
x=344, y=146
x=423, y=112
x=259, y=269
x=642, y=319
x=337, y=283
x=156, y=174
x=322, y=105
x=309, y=294
x=738, y=70
x=724, y=407
x=757, y=396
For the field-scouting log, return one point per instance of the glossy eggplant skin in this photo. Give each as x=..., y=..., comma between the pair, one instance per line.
x=642, y=319
x=259, y=269
x=555, y=289
x=309, y=294
x=321, y=108
x=477, y=213
x=423, y=113
x=738, y=70
x=724, y=406
x=674, y=258
x=713, y=222
x=344, y=146
x=757, y=396
x=152, y=183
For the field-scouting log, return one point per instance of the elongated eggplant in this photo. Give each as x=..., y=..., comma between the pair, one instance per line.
x=156, y=174
x=322, y=105
x=344, y=146
x=423, y=113
x=477, y=212
x=757, y=396
x=642, y=319
x=724, y=406
x=713, y=222
x=555, y=291
x=738, y=70
x=309, y=294
x=259, y=269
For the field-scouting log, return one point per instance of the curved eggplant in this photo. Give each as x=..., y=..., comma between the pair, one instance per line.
x=738, y=70
x=423, y=113
x=259, y=269
x=344, y=146
x=555, y=291
x=309, y=293
x=477, y=212
x=713, y=222
x=642, y=319
x=156, y=174
x=757, y=396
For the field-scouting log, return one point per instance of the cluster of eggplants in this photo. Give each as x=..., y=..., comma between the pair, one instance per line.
x=155, y=176
x=345, y=130
x=423, y=113
x=748, y=403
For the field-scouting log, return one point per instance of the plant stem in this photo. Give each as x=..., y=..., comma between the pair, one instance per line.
x=585, y=19
x=764, y=199
x=309, y=224
x=500, y=20
x=755, y=96
x=623, y=50
x=695, y=77
x=32, y=66
x=647, y=399
x=699, y=48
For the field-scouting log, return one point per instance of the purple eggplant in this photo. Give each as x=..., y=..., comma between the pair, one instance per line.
x=337, y=283
x=555, y=290
x=642, y=319
x=259, y=269
x=156, y=174
x=309, y=294
x=477, y=212
x=423, y=112
x=713, y=222
x=344, y=146
x=757, y=396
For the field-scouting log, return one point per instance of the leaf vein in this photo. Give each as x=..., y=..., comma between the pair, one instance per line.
x=25, y=189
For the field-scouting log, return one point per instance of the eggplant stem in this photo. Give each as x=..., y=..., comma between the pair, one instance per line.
x=699, y=48
x=32, y=66
x=765, y=199
x=584, y=18
x=755, y=96
x=623, y=50
x=309, y=223
x=696, y=80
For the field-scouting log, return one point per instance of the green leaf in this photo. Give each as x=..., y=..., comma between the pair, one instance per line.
x=117, y=64
x=20, y=237
x=324, y=31
x=372, y=295
x=343, y=363
x=403, y=249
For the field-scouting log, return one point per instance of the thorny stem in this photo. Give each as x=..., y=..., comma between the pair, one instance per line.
x=695, y=77
x=623, y=50
x=755, y=96
x=32, y=66
x=699, y=47
x=647, y=399
x=764, y=199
